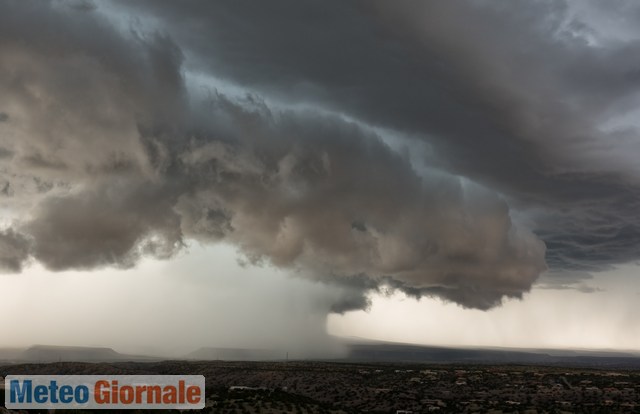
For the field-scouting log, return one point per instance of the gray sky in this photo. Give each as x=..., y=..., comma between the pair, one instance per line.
x=477, y=156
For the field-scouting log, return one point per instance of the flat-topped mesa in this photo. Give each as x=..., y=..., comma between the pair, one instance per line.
x=49, y=353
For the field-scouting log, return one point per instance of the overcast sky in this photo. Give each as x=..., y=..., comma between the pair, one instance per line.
x=260, y=174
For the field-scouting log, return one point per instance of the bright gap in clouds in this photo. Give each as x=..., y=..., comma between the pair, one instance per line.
x=545, y=318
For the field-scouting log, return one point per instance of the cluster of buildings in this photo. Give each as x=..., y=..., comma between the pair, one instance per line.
x=446, y=389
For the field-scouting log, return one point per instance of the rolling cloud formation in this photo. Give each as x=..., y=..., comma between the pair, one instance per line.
x=447, y=149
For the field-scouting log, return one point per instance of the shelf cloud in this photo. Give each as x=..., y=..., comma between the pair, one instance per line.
x=455, y=150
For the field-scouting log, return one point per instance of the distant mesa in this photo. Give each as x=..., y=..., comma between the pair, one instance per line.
x=48, y=353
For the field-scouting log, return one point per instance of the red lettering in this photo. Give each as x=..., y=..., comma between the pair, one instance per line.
x=101, y=394
x=126, y=394
x=114, y=391
x=139, y=390
x=193, y=394
x=169, y=394
x=154, y=394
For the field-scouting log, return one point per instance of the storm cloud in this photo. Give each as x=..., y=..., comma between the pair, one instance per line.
x=446, y=149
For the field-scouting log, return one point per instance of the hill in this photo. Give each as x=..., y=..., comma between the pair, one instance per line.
x=373, y=351
x=50, y=353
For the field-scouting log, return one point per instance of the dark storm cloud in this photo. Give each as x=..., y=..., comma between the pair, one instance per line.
x=14, y=251
x=322, y=196
x=597, y=228
x=108, y=224
x=117, y=155
x=79, y=89
x=513, y=95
